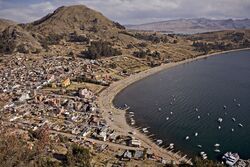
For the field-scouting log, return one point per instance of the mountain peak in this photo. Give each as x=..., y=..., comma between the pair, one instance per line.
x=68, y=19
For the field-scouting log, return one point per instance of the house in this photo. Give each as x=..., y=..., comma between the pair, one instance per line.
x=135, y=143
x=103, y=136
x=138, y=154
x=86, y=131
x=127, y=155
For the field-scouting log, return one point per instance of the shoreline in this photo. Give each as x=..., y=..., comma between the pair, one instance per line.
x=119, y=123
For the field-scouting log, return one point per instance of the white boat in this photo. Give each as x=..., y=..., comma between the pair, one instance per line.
x=196, y=134
x=204, y=157
x=145, y=130
x=225, y=107
x=196, y=109
x=219, y=127
x=200, y=146
x=238, y=104
x=199, y=117
x=231, y=158
x=187, y=137
x=159, y=109
x=217, y=150
x=167, y=118
x=159, y=142
x=240, y=125
x=217, y=145
x=232, y=129
x=171, y=145
x=220, y=120
x=235, y=100
x=234, y=119
x=171, y=113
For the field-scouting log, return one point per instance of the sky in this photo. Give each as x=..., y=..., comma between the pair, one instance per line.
x=131, y=11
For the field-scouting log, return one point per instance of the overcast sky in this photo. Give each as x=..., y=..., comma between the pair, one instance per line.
x=131, y=11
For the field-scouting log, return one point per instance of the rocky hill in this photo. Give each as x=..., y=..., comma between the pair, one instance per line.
x=190, y=26
x=5, y=23
x=78, y=18
x=15, y=39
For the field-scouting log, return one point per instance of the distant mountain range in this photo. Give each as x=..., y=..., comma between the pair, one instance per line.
x=190, y=26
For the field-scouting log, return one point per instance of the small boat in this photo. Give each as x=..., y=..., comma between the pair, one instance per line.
x=225, y=107
x=235, y=100
x=217, y=150
x=196, y=134
x=145, y=130
x=217, y=145
x=159, y=109
x=171, y=145
x=240, y=125
x=220, y=120
x=232, y=129
x=208, y=114
x=219, y=127
x=234, y=119
x=167, y=118
x=238, y=104
x=171, y=113
x=196, y=109
x=202, y=153
x=200, y=146
x=171, y=103
x=159, y=142
x=131, y=113
x=204, y=157
x=199, y=117
x=187, y=137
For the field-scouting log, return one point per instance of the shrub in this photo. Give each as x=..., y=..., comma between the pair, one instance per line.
x=78, y=38
x=118, y=25
x=78, y=156
x=99, y=49
x=140, y=54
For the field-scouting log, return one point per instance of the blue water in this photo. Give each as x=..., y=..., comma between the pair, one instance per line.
x=207, y=84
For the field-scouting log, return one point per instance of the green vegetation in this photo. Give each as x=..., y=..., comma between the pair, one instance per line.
x=17, y=151
x=118, y=25
x=206, y=47
x=7, y=46
x=51, y=39
x=73, y=37
x=78, y=156
x=99, y=49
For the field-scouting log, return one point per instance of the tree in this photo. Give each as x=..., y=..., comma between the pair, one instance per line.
x=99, y=49
x=78, y=156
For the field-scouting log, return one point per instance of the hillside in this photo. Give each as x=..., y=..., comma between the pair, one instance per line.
x=78, y=18
x=4, y=23
x=15, y=39
x=190, y=26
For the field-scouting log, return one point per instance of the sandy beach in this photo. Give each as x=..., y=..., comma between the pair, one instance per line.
x=119, y=123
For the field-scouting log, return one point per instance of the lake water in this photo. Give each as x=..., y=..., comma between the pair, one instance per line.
x=205, y=84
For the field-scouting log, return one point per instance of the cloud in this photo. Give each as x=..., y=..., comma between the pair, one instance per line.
x=132, y=11
x=25, y=13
